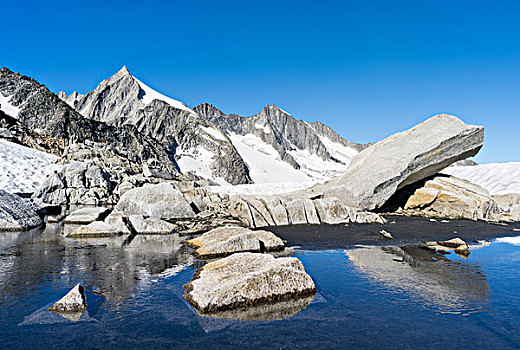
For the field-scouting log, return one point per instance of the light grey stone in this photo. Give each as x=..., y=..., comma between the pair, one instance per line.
x=151, y=226
x=17, y=214
x=228, y=240
x=245, y=279
x=377, y=172
x=163, y=201
x=86, y=215
x=73, y=301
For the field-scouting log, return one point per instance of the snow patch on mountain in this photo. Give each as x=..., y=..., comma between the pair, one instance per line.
x=198, y=161
x=267, y=189
x=150, y=95
x=214, y=132
x=497, y=178
x=340, y=152
x=23, y=168
x=264, y=162
x=7, y=107
x=316, y=167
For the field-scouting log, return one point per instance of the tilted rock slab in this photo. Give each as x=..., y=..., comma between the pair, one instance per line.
x=377, y=172
x=73, y=301
x=223, y=241
x=86, y=215
x=246, y=279
x=162, y=201
x=17, y=214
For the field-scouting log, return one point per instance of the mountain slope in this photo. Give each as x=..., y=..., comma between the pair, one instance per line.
x=198, y=146
x=44, y=113
x=313, y=150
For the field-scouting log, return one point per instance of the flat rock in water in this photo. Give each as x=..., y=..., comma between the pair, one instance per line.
x=247, y=279
x=86, y=215
x=100, y=229
x=163, y=201
x=377, y=172
x=17, y=214
x=228, y=240
x=73, y=301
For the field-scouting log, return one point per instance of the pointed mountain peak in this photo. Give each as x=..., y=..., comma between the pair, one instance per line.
x=123, y=71
x=274, y=107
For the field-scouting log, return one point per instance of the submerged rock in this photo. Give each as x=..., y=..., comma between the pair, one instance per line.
x=73, y=301
x=18, y=214
x=163, y=201
x=228, y=240
x=247, y=279
x=377, y=172
x=86, y=215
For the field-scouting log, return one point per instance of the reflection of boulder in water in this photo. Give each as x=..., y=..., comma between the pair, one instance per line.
x=265, y=312
x=160, y=252
x=448, y=285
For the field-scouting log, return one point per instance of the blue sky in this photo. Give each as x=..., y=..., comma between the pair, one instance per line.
x=366, y=68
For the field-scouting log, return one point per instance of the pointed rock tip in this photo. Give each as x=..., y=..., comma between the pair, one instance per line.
x=123, y=71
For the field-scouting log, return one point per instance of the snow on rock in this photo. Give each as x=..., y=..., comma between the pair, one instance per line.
x=214, y=132
x=267, y=189
x=338, y=151
x=23, y=168
x=264, y=163
x=150, y=95
x=316, y=167
x=198, y=161
x=497, y=178
x=509, y=240
x=7, y=107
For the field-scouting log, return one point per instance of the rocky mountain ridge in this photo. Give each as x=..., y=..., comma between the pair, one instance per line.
x=197, y=146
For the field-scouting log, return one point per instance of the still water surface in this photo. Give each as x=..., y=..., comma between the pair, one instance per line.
x=368, y=297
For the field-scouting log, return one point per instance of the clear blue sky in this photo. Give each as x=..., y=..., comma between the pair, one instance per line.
x=366, y=68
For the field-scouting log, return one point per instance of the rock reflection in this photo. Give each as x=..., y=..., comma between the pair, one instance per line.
x=265, y=312
x=450, y=286
x=107, y=265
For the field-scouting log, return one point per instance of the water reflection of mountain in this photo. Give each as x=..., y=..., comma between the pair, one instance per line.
x=450, y=286
x=112, y=266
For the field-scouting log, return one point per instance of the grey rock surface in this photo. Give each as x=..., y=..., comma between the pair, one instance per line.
x=246, y=279
x=96, y=229
x=86, y=215
x=162, y=201
x=151, y=226
x=452, y=197
x=18, y=214
x=224, y=241
x=377, y=172
x=73, y=301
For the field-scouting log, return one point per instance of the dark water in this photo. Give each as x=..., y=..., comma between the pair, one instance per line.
x=368, y=297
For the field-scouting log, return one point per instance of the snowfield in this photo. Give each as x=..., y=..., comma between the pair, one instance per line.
x=23, y=169
x=7, y=107
x=497, y=178
x=264, y=163
x=150, y=95
x=266, y=189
